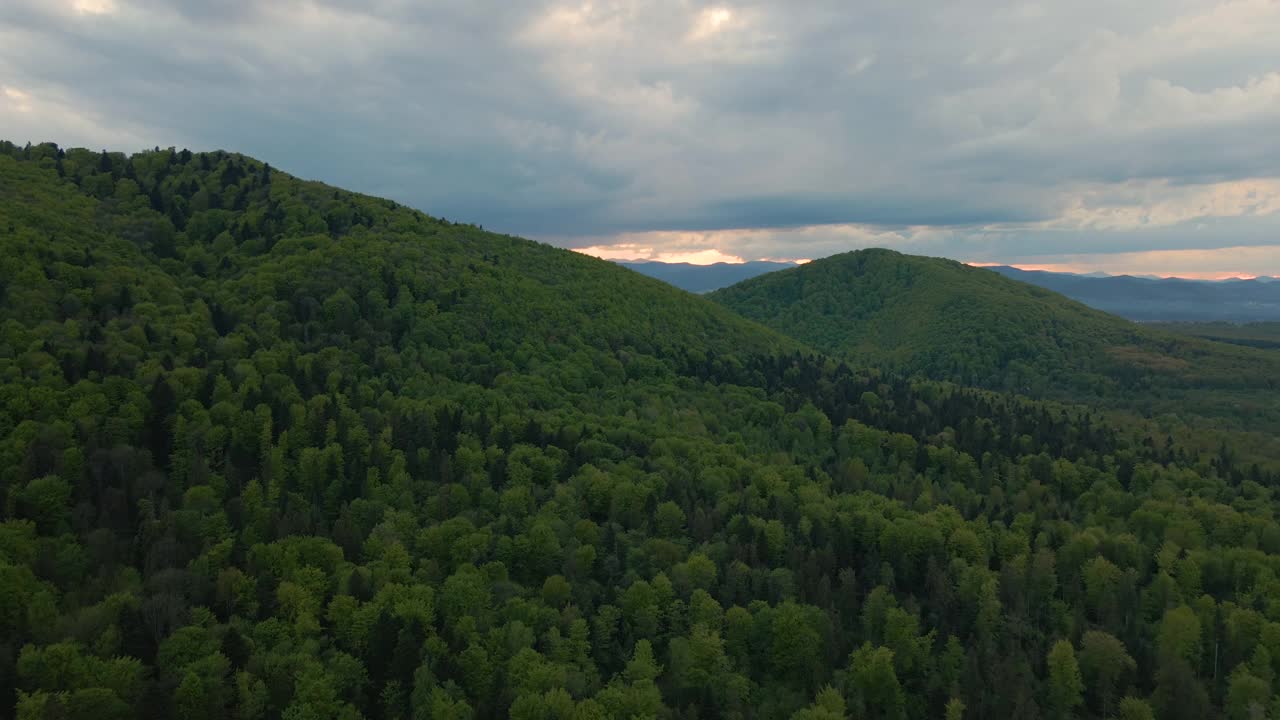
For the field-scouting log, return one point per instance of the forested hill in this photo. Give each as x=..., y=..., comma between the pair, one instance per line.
x=970, y=325
x=270, y=450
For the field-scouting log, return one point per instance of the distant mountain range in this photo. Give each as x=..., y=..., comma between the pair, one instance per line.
x=1145, y=298
x=705, y=278
x=1153, y=299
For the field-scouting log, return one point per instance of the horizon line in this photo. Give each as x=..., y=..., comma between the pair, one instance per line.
x=710, y=257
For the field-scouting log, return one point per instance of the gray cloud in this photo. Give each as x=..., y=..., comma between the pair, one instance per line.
x=984, y=130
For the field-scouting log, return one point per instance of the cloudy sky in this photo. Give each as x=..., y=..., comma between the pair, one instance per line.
x=1138, y=136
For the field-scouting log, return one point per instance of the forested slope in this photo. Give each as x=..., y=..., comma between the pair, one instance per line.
x=1262, y=335
x=273, y=450
x=970, y=325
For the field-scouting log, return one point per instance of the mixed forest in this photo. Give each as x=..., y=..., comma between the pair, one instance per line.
x=273, y=450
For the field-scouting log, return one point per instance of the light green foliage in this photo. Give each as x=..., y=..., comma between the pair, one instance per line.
x=828, y=705
x=1180, y=635
x=1132, y=708
x=1065, y=686
x=1248, y=696
x=875, y=684
x=698, y=662
x=1104, y=664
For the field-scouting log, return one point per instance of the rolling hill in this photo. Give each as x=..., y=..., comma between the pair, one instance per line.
x=274, y=450
x=947, y=320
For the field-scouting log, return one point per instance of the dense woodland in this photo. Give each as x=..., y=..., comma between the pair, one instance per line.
x=1265, y=335
x=274, y=450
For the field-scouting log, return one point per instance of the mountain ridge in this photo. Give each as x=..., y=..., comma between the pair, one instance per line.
x=704, y=278
x=1151, y=299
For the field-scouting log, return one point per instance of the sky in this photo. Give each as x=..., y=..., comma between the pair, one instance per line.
x=1115, y=135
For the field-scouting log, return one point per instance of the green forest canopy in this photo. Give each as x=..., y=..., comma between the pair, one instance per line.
x=269, y=449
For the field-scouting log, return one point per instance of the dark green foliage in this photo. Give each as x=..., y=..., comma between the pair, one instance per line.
x=1265, y=335
x=273, y=450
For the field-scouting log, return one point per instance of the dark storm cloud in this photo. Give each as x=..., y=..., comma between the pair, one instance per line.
x=970, y=129
x=881, y=209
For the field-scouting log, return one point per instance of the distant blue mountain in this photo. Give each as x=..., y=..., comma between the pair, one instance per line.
x=705, y=278
x=1152, y=299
